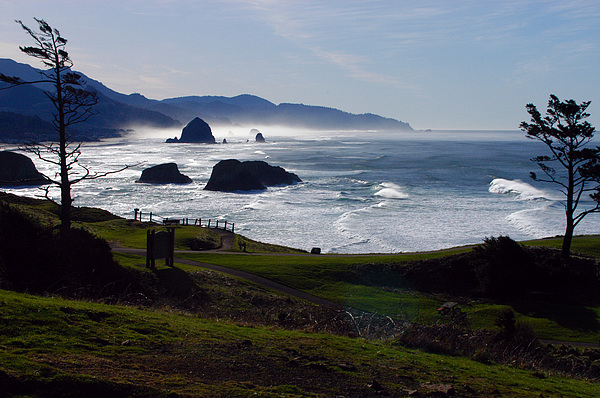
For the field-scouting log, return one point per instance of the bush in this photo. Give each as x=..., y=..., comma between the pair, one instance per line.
x=503, y=267
x=38, y=260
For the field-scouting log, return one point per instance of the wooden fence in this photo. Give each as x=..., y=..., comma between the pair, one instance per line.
x=139, y=215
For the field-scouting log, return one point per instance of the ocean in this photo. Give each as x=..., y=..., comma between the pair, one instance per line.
x=361, y=192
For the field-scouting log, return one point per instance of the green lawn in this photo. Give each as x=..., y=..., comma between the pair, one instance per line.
x=51, y=344
x=56, y=347
x=331, y=277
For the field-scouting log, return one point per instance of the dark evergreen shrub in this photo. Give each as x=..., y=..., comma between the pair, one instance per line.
x=37, y=259
x=503, y=267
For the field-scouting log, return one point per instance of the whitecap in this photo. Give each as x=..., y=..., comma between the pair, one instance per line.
x=520, y=189
x=391, y=191
x=381, y=205
x=258, y=205
x=537, y=222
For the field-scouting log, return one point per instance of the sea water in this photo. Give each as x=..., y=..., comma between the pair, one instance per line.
x=361, y=192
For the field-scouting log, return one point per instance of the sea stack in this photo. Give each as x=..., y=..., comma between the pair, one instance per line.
x=19, y=170
x=232, y=175
x=196, y=132
x=258, y=137
x=166, y=173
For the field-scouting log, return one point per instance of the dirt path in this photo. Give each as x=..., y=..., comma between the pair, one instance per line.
x=227, y=239
x=259, y=280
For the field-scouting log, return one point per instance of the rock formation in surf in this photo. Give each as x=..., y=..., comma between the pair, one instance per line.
x=197, y=131
x=232, y=175
x=166, y=173
x=18, y=170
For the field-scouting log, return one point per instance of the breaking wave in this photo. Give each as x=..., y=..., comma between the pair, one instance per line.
x=391, y=191
x=520, y=189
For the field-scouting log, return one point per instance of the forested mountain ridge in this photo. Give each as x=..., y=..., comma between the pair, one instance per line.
x=117, y=112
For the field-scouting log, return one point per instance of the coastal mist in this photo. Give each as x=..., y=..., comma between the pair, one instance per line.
x=361, y=192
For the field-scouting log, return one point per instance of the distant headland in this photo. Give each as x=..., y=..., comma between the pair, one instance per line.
x=26, y=112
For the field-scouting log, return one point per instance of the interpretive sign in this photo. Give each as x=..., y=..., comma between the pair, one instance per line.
x=160, y=244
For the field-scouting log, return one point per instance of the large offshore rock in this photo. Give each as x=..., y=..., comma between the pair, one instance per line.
x=17, y=169
x=232, y=175
x=260, y=138
x=196, y=131
x=166, y=173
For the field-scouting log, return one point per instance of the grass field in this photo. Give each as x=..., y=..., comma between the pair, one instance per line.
x=240, y=346
x=331, y=277
x=52, y=346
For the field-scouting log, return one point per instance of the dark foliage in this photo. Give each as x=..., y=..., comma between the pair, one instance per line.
x=38, y=260
x=450, y=274
x=507, y=323
x=82, y=214
x=57, y=385
x=513, y=344
x=502, y=268
x=568, y=137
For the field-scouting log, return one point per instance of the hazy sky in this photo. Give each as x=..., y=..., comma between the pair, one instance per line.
x=460, y=64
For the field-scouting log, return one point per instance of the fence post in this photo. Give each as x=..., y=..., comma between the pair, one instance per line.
x=150, y=216
x=225, y=228
x=232, y=227
x=209, y=223
x=170, y=260
x=150, y=260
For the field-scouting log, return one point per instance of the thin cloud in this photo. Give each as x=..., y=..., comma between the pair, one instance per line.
x=318, y=27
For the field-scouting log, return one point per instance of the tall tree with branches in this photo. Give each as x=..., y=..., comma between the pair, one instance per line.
x=567, y=135
x=72, y=103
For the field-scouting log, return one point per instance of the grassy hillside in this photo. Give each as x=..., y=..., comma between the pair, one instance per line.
x=190, y=331
x=57, y=347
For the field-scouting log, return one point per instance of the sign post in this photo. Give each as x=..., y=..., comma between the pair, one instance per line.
x=160, y=245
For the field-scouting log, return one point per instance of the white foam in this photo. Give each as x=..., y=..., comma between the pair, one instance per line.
x=539, y=222
x=342, y=206
x=520, y=189
x=391, y=191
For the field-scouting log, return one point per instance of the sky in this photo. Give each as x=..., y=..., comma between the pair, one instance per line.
x=436, y=64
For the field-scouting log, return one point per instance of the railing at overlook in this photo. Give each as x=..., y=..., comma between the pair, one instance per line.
x=139, y=215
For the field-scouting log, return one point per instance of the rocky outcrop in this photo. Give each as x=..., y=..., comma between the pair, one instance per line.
x=166, y=173
x=196, y=131
x=18, y=170
x=232, y=175
x=258, y=137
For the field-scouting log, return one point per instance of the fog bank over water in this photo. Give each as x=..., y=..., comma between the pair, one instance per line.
x=361, y=191
x=244, y=133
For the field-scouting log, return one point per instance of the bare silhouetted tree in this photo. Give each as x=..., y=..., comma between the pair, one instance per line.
x=73, y=104
x=568, y=136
